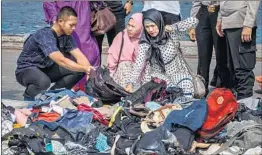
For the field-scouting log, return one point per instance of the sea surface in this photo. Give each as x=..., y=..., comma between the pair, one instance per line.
x=27, y=17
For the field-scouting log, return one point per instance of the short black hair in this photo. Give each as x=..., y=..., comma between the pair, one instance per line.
x=66, y=11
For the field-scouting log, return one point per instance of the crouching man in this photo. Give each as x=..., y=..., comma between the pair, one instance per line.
x=45, y=57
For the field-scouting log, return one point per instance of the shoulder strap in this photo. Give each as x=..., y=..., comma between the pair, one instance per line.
x=121, y=49
x=182, y=57
x=226, y=145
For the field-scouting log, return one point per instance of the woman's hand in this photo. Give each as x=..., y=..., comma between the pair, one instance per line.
x=168, y=28
x=128, y=7
x=192, y=34
x=129, y=88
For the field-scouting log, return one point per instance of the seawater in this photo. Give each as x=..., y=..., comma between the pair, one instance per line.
x=27, y=17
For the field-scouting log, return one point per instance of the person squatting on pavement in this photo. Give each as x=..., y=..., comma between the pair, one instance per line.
x=43, y=59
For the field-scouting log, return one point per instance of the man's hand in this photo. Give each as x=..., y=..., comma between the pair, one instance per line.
x=192, y=34
x=246, y=35
x=129, y=88
x=219, y=29
x=128, y=7
x=168, y=28
x=88, y=69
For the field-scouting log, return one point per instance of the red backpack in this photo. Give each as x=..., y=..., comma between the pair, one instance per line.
x=222, y=107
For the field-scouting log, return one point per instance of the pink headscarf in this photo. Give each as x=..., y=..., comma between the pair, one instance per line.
x=130, y=45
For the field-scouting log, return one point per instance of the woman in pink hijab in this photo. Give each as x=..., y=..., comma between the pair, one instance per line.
x=120, y=62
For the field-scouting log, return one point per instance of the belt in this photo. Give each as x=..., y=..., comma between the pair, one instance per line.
x=211, y=8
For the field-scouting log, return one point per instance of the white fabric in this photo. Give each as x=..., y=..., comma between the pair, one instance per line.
x=167, y=6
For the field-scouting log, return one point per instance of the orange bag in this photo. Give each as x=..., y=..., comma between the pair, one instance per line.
x=222, y=107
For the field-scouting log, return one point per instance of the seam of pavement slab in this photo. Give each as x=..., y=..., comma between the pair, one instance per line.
x=189, y=48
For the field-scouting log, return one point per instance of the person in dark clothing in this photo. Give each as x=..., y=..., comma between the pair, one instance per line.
x=120, y=11
x=43, y=59
x=237, y=22
x=207, y=38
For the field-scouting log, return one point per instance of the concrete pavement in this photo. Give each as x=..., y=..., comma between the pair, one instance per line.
x=13, y=90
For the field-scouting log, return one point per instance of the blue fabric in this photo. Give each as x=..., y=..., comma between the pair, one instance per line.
x=191, y=117
x=55, y=95
x=75, y=119
x=50, y=125
x=39, y=46
x=101, y=143
x=153, y=106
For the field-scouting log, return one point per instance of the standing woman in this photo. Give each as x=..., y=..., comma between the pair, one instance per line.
x=158, y=53
x=82, y=34
x=120, y=60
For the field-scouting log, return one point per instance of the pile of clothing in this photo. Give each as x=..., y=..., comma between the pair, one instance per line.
x=153, y=120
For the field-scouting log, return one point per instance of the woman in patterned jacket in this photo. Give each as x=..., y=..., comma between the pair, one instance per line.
x=158, y=53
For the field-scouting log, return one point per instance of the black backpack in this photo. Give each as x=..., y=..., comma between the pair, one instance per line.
x=150, y=91
x=102, y=86
x=130, y=132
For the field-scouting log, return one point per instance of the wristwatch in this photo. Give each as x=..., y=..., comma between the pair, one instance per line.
x=131, y=2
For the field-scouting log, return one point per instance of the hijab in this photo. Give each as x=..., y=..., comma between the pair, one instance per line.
x=154, y=55
x=130, y=45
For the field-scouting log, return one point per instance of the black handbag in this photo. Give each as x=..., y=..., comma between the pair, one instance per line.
x=102, y=86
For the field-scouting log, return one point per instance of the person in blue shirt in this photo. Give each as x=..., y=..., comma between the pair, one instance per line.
x=45, y=57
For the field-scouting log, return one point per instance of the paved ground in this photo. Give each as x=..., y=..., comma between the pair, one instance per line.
x=12, y=90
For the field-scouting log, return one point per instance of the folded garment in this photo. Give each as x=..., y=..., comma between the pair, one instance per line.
x=96, y=114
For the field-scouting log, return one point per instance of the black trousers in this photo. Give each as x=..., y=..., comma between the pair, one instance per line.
x=242, y=61
x=120, y=26
x=170, y=18
x=207, y=38
x=38, y=80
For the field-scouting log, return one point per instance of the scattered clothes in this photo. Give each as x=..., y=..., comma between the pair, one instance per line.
x=74, y=119
x=23, y=139
x=82, y=100
x=184, y=136
x=61, y=123
x=55, y=95
x=96, y=114
x=153, y=105
x=64, y=102
x=6, y=150
x=191, y=117
x=245, y=113
x=249, y=102
x=214, y=147
x=101, y=143
x=150, y=91
x=107, y=111
x=58, y=148
x=156, y=118
x=254, y=151
x=233, y=128
x=6, y=120
x=159, y=141
x=138, y=110
x=129, y=133
x=251, y=134
x=76, y=149
x=47, y=116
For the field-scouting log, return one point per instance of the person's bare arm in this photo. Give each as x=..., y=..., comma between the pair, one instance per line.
x=59, y=58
